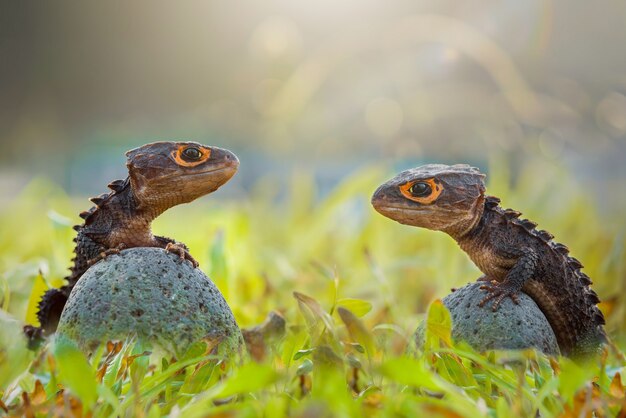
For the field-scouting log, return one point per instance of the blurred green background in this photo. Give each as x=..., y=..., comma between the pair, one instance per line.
x=318, y=85
x=322, y=101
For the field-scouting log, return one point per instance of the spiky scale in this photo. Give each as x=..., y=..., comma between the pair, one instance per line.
x=592, y=297
x=84, y=214
x=77, y=227
x=598, y=318
x=89, y=220
x=99, y=199
x=528, y=224
x=117, y=185
x=491, y=202
x=584, y=279
x=544, y=235
x=574, y=263
x=560, y=248
x=491, y=205
x=512, y=214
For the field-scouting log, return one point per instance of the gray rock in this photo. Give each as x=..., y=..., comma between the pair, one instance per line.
x=151, y=294
x=511, y=327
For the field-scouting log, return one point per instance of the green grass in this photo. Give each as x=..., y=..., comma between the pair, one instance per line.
x=363, y=284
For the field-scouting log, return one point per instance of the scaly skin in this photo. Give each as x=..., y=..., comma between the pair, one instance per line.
x=512, y=254
x=160, y=175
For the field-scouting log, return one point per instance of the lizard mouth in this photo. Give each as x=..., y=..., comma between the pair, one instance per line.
x=398, y=209
x=213, y=170
x=415, y=216
x=228, y=169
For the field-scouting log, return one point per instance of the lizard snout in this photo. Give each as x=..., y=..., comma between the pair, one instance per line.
x=380, y=198
x=225, y=157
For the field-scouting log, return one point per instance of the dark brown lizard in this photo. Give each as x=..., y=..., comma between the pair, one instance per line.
x=160, y=175
x=513, y=255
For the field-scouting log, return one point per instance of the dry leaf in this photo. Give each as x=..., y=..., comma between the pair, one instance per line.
x=616, y=388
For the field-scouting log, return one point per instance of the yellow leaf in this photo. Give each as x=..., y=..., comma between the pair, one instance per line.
x=312, y=310
x=39, y=288
x=439, y=323
x=357, y=330
x=356, y=306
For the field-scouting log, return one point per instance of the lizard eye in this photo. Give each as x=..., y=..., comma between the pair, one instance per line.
x=420, y=189
x=192, y=154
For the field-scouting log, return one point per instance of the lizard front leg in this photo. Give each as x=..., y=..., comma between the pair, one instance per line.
x=518, y=275
x=105, y=253
x=177, y=248
x=181, y=250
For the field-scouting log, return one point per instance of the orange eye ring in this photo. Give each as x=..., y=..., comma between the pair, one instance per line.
x=435, y=188
x=177, y=156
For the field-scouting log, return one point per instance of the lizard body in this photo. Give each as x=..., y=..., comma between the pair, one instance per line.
x=161, y=175
x=513, y=255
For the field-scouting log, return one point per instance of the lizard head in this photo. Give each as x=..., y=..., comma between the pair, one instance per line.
x=434, y=196
x=165, y=174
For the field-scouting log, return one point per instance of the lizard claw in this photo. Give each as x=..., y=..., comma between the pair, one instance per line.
x=104, y=254
x=181, y=252
x=498, y=292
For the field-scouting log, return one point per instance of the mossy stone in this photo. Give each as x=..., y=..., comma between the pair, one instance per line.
x=511, y=327
x=153, y=295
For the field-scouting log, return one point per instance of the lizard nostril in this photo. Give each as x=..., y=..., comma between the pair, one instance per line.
x=231, y=159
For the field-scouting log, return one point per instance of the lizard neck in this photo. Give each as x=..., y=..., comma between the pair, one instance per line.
x=147, y=205
x=477, y=242
x=125, y=220
x=468, y=226
x=469, y=240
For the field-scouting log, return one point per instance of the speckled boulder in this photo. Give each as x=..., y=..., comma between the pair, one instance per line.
x=511, y=327
x=149, y=293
